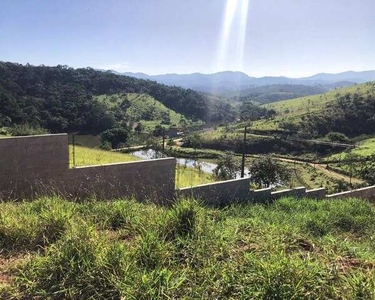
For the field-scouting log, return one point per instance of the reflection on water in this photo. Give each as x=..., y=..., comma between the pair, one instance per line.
x=204, y=166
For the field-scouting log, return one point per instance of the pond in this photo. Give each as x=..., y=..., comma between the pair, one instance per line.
x=205, y=166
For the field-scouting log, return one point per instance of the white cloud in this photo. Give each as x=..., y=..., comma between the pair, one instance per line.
x=119, y=67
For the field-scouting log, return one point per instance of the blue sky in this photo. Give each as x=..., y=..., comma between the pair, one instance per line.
x=259, y=37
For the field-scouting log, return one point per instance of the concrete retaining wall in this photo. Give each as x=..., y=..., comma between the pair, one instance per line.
x=316, y=193
x=26, y=155
x=366, y=192
x=39, y=165
x=219, y=193
x=226, y=192
x=151, y=179
x=28, y=164
x=298, y=192
x=261, y=195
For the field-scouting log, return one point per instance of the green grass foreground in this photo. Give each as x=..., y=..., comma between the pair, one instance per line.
x=291, y=249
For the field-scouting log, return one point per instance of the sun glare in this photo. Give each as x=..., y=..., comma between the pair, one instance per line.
x=233, y=35
x=242, y=32
x=230, y=9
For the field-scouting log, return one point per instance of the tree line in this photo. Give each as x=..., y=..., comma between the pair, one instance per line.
x=351, y=114
x=61, y=98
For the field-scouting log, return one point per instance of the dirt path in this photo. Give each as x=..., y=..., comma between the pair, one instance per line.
x=8, y=264
x=336, y=175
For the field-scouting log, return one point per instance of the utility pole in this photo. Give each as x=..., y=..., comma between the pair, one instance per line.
x=243, y=154
x=74, y=150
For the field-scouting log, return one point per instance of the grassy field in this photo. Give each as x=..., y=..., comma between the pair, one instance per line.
x=142, y=105
x=188, y=177
x=291, y=249
x=86, y=156
x=309, y=177
x=364, y=148
x=292, y=110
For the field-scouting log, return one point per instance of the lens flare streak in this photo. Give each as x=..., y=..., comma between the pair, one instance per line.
x=233, y=36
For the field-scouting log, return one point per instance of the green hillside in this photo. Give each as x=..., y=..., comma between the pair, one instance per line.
x=292, y=110
x=364, y=148
x=61, y=99
x=142, y=108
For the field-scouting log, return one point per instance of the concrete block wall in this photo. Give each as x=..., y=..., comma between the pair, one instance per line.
x=261, y=195
x=298, y=192
x=219, y=193
x=366, y=192
x=28, y=163
x=151, y=179
x=33, y=154
x=319, y=193
x=226, y=192
x=39, y=165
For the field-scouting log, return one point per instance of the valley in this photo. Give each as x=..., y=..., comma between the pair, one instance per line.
x=167, y=150
x=140, y=112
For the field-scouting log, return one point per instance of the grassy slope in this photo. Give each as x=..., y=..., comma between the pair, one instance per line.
x=86, y=156
x=365, y=148
x=140, y=104
x=293, y=109
x=292, y=249
x=188, y=177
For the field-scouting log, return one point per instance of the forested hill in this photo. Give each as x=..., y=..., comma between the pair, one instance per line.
x=61, y=98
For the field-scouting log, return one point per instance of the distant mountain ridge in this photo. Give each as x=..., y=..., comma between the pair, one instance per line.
x=228, y=81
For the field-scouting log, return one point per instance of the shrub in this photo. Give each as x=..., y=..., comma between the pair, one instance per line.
x=115, y=136
x=181, y=220
x=267, y=171
x=227, y=167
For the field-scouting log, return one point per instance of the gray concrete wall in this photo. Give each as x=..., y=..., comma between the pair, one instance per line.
x=238, y=190
x=261, y=195
x=316, y=193
x=145, y=180
x=219, y=193
x=32, y=154
x=39, y=165
x=366, y=192
x=298, y=192
x=32, y=161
